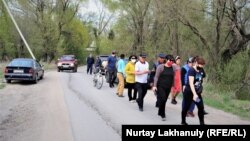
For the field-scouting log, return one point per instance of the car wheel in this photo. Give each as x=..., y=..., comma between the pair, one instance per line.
x=41, y=77
x=8, y=81
x=36, y=79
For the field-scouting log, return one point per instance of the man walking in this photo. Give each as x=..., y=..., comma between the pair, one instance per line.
x=141, y=75
x=90, y=62
x=121, y=75
x=160, y=60
x=112, y=68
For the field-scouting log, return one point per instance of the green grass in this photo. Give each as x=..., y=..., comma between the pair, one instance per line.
x=224, y=99
x=50, y=66
x=1, y=78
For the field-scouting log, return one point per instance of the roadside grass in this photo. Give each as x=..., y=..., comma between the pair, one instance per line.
x=2, y=65
x=48, y=66
x=1, y=79
x=224, y=99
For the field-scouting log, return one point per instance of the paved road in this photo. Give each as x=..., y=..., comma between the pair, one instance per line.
x=65, y=106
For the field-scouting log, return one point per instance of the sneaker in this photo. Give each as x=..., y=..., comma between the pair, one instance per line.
x=141, y=109
x=156, y=105
x=205, y=113
x=163, y=119
x=184, y=123
x=120, y=96
x=174, y=101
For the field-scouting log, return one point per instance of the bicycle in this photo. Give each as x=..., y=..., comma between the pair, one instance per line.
x=98, y=77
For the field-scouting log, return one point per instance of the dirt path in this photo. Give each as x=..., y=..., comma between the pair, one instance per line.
x=34, y=112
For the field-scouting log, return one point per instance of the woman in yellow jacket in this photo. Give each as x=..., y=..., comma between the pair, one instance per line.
x=130, y=78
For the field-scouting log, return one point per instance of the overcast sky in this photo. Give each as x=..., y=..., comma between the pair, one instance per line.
x=90, y=6
x=96, y=7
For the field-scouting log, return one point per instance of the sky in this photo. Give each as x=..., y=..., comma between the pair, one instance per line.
x=95, y=8
x=90, y=6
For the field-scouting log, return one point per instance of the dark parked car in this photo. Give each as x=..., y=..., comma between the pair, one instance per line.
x=67, y=62
x=104, y=57
x=24, y=69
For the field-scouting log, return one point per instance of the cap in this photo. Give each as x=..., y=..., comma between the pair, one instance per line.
x=161, y=55
x=177, y=57
x=143, y=55
x=190, y=60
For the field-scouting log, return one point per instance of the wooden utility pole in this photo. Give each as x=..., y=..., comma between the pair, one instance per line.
x=18, y=29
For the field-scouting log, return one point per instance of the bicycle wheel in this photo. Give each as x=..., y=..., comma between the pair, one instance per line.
x=107, y=77
x=99, y=81
x=95, y=80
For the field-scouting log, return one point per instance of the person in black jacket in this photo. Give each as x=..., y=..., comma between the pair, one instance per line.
x=161, y=60
x=90, y=62
x=98, y=64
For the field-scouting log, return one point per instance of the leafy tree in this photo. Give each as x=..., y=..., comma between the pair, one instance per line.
x=75, y=39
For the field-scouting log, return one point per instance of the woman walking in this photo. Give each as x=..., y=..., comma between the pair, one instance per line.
x=130, y=78
x=190, y=91
x=176, y=89
x=163, y=81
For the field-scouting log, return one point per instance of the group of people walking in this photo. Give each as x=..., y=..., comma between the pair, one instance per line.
x=167, y=78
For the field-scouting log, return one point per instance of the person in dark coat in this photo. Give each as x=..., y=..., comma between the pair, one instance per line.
x=90, y=62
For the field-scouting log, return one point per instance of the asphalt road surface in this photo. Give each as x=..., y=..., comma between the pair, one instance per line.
x=65, y=106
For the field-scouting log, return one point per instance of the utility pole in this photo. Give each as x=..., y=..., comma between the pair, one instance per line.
x=19, y=31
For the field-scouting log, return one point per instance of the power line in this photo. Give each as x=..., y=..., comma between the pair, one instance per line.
x=19, y=31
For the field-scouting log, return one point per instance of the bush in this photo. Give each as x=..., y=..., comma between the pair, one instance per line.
x=244, y=92
x=234, y=72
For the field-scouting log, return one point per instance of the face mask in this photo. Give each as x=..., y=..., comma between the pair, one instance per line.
x=170, y=63
x=133, y=60
x=199, y=68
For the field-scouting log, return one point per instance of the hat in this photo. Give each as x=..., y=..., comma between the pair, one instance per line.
x=143, y=55
x=161, y=55
x=177, y=57
x=190, y=60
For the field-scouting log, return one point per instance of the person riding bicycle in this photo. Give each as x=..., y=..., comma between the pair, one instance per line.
x=98, y=64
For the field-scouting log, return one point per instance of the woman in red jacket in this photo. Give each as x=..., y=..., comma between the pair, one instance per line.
x=176, y=89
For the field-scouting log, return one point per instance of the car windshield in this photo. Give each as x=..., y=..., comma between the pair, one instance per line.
x=21, y=63
x=67, y=58
x=104, y=58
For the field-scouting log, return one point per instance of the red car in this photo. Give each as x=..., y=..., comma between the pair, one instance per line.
x=67, y=62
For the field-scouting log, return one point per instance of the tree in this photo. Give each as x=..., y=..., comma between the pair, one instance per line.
x=220, y=46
